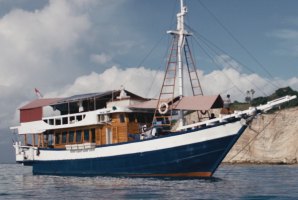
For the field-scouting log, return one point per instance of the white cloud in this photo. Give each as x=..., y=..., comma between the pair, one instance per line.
x=287, y=34
x=227, y=62
x=142, y=81
x=38, y=49
x=44, y=49
x=34, y=42
x=288, y=38
x=147, y=83
x=100, y=58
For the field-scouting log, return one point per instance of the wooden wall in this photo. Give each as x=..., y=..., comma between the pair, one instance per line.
x=119, y=125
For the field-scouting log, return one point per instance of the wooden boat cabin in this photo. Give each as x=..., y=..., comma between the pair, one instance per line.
x=88, y=120
x=82, y=121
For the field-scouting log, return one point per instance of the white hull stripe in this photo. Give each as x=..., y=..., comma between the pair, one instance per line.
x=145, y=146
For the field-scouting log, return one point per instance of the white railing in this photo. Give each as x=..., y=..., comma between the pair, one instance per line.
x=239, y=114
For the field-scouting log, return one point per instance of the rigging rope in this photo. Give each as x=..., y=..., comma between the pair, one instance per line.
x=217, y=66
x=153, y=48
x=214, y=48
x=237, y=41
x=252, y=140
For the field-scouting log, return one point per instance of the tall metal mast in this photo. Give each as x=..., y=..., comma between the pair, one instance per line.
x=181, y=33
x=179, y=52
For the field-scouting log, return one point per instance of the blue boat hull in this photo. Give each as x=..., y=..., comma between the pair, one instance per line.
x=198, y=159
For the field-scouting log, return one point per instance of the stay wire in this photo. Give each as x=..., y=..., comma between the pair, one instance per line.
x=217, y=66
x=252, y=140
x=166, y=52
x=209, y=44
x=155, y=75
x=236, y=40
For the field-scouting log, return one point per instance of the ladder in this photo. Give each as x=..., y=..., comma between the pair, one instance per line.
x=164, y=107
x=192, y=71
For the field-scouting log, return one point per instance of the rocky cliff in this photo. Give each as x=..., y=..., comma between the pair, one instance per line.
x=271, y=138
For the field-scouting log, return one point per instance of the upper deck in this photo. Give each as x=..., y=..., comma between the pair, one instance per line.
x=79, y=110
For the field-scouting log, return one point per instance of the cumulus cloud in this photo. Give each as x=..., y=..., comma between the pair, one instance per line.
x=43, y=49
x=227, y=62
x=142, y=81
x=32, y=42
x=47, y=48
x=147, y=83
x=38, y=50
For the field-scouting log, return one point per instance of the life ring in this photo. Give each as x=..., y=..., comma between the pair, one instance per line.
x=163, y=108
x=203, y=112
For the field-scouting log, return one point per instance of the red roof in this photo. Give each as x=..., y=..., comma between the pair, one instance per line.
x=39, y=103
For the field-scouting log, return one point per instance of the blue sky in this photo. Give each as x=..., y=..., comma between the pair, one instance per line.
x=64, y=47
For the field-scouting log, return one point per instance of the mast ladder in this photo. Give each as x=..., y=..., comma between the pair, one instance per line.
x=192, y=71
x=193, y=76
x=164, y=108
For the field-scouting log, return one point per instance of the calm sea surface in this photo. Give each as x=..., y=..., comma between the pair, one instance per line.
x=229, y=182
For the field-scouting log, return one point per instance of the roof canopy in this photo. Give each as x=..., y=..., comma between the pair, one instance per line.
x=39, y=103
x=187, y=103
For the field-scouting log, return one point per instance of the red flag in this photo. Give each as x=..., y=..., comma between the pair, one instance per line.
x=38, y=93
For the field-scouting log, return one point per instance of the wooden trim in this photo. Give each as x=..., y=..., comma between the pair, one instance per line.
x=25, y=139
x=33, y=139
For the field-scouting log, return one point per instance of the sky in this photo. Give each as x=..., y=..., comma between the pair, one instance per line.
x=66, y=47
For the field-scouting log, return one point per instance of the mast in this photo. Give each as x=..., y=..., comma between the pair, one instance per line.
x=178, y=54
x=181, y=33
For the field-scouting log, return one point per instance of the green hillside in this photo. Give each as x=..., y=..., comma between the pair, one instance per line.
x=263, y=100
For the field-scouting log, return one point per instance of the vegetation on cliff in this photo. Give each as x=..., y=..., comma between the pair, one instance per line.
x=277, y=94
x=263, y=100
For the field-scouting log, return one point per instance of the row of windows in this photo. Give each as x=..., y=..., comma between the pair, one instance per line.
x=64, y=120
x=75, y=136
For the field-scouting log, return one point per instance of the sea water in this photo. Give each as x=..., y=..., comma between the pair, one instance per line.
x=229, y=182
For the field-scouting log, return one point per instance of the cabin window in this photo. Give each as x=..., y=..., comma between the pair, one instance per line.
x=71, y=136
x=78, y=136
x=57, y=138
x=72, y=119
x=79, y=118
x=57, y=121
x=93, y=135
x=122, y=118
x=86, y=135
x=64, y=137
x=51, y=121
x=64, y=120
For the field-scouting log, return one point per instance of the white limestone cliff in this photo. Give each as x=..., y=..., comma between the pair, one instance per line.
x=277, y=143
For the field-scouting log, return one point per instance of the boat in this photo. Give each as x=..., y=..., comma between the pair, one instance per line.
x=119, y=133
